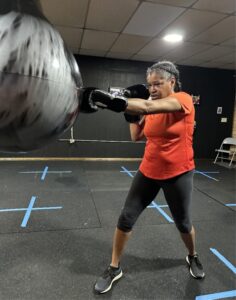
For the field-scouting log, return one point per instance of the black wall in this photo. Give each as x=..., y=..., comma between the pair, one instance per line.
x=215, y=87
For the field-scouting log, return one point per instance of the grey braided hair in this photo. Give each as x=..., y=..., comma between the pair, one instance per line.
x=166, y=69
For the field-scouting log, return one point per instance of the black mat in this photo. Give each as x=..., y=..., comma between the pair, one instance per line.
x=60, y=252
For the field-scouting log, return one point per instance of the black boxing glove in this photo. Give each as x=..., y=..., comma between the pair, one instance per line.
x=132, y=118
x=135, y=91
x=85, y=103
x=90, y=99
x=106, y=100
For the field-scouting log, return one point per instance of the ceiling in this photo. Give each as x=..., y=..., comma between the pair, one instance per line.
x=134, y=30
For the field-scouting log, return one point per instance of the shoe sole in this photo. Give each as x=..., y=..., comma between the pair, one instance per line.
x=188, y=262
x=114, y=279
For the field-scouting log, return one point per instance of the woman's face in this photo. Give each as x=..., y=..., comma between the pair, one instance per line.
x=159, y=87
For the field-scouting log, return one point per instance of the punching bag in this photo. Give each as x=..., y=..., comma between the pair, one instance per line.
x=39, y=79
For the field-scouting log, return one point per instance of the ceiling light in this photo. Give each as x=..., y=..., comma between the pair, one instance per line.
x=173, y=38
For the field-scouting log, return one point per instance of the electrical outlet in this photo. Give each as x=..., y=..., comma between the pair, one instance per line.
x=223, y=120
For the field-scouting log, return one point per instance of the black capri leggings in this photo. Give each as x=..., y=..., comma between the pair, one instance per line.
x=178, y=194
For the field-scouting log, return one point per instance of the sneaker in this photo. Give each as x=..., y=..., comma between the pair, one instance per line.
x=195, y=267
x=104, y=283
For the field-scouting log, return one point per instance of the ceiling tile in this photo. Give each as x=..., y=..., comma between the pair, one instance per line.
x=119, y=55
x=92, y=52
x=110, y=15
x=228, y=66
x=226, y=6
x=129, y=43
x=193, y=22
x=209, y=64
x=99, y=40
x=218, y=33
x=140, y=57
x=212, y=53
x=229, y=42
x=184, y=3
x=191, y=62
x=71, y=36
x=186, y=50
x=157, y=47
x=65, y=13
x=151, y=18
x=228, y=58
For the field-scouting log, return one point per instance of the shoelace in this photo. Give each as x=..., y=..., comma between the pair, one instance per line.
x=195, y=258
x=109, y=272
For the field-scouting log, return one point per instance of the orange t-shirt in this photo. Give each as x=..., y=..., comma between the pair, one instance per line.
x=169, y=150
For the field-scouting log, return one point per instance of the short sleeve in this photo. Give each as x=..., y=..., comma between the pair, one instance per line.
x=185, y=101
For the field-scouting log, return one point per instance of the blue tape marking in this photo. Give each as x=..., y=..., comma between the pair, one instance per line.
x=204, y=174
x=152, y=206
x=28, y=212
x=224, y=260
x=161, y=211
x=44, y=173
x=208, y=172
x=127, y=171
x=131, y=171
x=231, y=204
x=12, y=209
x=35, y=208
x=222, y=295
x=39, y=172
x=47, y=208
x=31, y=172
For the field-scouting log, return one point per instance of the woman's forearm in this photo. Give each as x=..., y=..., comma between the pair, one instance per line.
x=144, y=107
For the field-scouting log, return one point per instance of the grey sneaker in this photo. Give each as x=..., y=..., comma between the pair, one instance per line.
x=105, y=281
x=195, y=266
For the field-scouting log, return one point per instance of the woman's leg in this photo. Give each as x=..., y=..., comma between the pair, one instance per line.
x=143, y=190
x=189, y=241
x=178, y=193
x=120, y=238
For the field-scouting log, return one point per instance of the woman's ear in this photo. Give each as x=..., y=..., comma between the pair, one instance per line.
x=173, y=81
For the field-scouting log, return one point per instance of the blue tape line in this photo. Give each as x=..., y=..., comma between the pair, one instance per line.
x=39, y=172
x=44, y=173
x=222, y=295
x=204, y=174
x=152, y=206
x=161, y=211
x=31, y=172
x=28, y=212
x=224, y=260
x=12, y=209
x=127, y=171
x=35, y=208
x=208, y=172
x=47, y=208
x=231, y=204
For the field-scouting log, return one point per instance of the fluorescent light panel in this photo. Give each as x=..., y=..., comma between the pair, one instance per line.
x=173, y=38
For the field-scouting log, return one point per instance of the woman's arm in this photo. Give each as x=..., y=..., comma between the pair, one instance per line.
x=144, y=107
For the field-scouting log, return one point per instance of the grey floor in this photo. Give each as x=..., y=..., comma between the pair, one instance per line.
x=56, y=225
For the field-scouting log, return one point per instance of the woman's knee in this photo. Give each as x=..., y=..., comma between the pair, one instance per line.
x=184, y=226
x=126, y=221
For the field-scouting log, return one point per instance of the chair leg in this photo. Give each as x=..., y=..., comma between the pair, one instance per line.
x=231, y=160
x=216, y=158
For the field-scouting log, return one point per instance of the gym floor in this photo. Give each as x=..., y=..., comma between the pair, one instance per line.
x=57, y=220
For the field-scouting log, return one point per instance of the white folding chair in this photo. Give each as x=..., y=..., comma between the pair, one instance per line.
x=227, y=150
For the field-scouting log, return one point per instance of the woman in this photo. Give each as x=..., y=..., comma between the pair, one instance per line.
x=167, y=164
